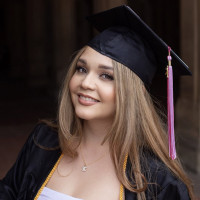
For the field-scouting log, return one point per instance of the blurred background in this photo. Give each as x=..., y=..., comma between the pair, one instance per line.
x=37, y=39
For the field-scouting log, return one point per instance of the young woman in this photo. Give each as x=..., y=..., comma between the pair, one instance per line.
x=109, y=142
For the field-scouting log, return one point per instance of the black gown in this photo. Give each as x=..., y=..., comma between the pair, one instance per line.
x=34, y=163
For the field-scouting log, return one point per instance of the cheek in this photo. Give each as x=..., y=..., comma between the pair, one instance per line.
x=72, y=84
x=110, y=95
x=72, y=89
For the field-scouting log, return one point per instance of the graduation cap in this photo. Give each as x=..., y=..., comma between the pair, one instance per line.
x=124, y=37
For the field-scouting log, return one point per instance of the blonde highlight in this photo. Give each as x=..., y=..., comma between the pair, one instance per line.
x=69, y=125
x=136, y=126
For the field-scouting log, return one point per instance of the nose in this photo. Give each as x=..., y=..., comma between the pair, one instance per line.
x=88, y=82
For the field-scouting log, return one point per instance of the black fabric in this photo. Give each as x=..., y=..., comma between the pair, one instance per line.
x=32, y=166
x=126, y=47
x=125, y=38
x=162, y=185
x=34, y=163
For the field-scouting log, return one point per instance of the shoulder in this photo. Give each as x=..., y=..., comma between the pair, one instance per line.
x=45, y=136
x=41, y=147
x=34, y=162
x=162, y=183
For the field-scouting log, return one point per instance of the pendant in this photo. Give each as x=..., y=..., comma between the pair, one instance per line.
x=84, y=168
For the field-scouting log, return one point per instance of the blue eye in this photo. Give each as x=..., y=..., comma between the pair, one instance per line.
x=107, y=76
x=81, y=69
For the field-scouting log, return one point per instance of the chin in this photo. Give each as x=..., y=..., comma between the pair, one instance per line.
x=94, y=114
x=84, y=116
x=92, y=117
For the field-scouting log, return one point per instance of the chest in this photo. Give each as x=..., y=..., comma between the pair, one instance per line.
x=97, y=181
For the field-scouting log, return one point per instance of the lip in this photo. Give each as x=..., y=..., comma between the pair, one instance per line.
x=86, y=100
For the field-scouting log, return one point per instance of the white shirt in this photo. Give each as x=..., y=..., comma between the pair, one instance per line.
x=49, y=194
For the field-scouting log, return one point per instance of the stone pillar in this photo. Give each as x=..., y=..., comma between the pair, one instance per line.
x=64, y=28
x=36, y=35
x=13, y=41
x=187, y=108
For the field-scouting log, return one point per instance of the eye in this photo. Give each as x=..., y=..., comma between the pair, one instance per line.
x=80, y=69
x=107, y=76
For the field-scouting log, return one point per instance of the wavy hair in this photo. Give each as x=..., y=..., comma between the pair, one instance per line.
x=136, y=126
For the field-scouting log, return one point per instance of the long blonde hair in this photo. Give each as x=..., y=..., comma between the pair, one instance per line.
x=136, y=126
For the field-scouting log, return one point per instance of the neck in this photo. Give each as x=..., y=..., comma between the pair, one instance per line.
x=94, y=132
x=91, y=148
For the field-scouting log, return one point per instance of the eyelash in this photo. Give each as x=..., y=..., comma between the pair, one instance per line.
x=107, y=76
x=78, y=69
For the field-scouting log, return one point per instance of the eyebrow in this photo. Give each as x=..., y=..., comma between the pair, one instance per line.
x=82, y=61
x=105, y=67
x=100, y=66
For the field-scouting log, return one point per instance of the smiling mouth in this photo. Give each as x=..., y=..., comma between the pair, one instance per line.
x=87, y=98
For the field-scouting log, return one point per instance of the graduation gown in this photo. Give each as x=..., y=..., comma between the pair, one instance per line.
x=40, y=153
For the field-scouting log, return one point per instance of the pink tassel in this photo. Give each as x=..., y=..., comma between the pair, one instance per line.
x=170, y=108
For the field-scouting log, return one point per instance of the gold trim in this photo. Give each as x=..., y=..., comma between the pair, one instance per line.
x=121, y=194
x=48, y=177
x=167, y=72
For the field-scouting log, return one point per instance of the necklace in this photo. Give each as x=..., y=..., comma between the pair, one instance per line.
x=85, y=166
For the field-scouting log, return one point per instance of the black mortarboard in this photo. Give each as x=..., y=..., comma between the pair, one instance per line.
x=127, y=39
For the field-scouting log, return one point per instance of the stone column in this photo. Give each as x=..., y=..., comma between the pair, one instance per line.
x=36, y=38
x=187, y=107
x=12, y=39
x=64, y=28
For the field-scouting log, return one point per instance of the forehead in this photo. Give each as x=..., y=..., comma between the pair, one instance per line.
x=94, y=57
